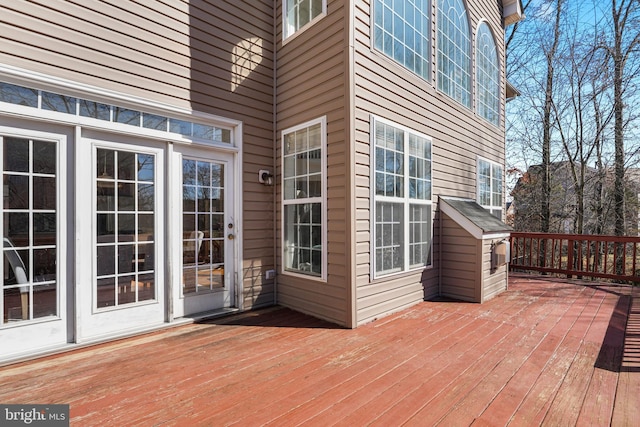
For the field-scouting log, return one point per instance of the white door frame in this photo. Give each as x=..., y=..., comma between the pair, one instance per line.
x=26, y=336
x=192, y=304
x=95, y=324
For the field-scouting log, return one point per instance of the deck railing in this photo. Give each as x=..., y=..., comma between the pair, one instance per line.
x=576, y=255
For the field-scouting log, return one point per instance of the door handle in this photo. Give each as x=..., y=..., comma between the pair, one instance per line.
x=231, y=236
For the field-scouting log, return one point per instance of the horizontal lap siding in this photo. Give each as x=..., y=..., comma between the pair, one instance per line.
x=494, y=281
x=210, y=56
x=311, y=83
x=461, y=266
x=386, y=89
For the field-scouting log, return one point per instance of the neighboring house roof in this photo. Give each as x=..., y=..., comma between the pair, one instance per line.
x=472, y=217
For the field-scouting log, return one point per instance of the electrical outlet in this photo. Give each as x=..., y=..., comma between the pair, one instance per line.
x=270, y=274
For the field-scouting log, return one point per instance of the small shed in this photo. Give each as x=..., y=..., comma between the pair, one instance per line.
x=474, y=251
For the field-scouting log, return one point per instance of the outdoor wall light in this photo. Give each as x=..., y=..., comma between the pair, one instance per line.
x=265, y=177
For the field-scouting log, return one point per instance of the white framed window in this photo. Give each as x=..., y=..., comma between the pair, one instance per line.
x=300, y=14
x=401, y=197
x=490, y=186
x=401, y=30
x=304, y=198
x=487, y=75
x=453, y=54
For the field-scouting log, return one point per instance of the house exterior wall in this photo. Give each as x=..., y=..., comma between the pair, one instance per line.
x=312, y=83
x=210, y=57
x=383, y=88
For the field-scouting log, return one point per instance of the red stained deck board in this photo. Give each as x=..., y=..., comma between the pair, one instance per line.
x=546, y=352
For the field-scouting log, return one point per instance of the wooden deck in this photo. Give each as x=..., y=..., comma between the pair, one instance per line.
x=546, y=352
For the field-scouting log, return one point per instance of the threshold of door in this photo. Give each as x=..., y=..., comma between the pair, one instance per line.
x=211, y=314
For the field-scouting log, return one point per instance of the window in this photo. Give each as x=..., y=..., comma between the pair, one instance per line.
x=487, y=75
x=300, y=13
x=490, y=187
x=30, y=219
x=453, y=52
x=401, y=31
x=402, y=199
x=304, y=198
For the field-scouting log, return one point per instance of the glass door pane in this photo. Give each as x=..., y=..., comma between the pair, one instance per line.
x=30, y=288
x=125, y=232
x=203, y=226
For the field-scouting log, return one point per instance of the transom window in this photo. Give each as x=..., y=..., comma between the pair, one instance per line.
x=401, y=31
x=29, y=229
x=49, y=101
x=304, y=198
x=402, y=199
x=490, y=187
x=487, y=75
x=300, y=13
x=453, y=51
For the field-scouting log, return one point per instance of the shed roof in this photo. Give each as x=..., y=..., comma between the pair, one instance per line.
x=473, y=218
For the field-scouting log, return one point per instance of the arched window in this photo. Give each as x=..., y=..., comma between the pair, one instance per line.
x=487, y=75
x=453, y=54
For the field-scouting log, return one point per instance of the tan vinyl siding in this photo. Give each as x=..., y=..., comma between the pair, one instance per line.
x=312, y=84
x=385, y=89
x=493, y=282
x=460, y=264
x=212, y=57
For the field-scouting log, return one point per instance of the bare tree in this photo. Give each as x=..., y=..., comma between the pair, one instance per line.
x=624, y=15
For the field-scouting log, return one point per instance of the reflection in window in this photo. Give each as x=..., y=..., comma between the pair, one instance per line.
x=19, y=95
x=125, y=227
x=453, y=53
x=59, y=103
x=401, y=30
x=402, y=203
x=29, y=229
x=487, y=75
x=303, y=149
x=490, y=187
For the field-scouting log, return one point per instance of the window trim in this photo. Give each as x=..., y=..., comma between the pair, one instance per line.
x=286, y=36
x=481, y=23
x=470, y=52
x=322, y=121
x=491, y=207
x=405, y=200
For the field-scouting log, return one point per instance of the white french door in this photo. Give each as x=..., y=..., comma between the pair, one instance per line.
x=33, y=222
x=119, y=235
x=204, y=230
